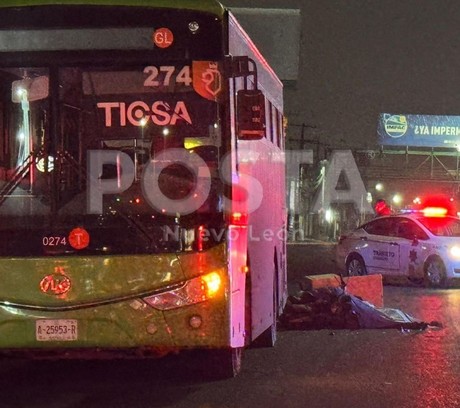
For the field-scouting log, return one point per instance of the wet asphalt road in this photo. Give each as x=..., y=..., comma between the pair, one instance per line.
x=363, y=368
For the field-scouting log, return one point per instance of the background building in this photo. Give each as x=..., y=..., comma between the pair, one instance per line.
x=345, y=62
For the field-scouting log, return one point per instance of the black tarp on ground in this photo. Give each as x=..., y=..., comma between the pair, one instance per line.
x=333, y=308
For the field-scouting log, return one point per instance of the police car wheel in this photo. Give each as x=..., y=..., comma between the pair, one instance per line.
x=356, y=266
x=435, y=273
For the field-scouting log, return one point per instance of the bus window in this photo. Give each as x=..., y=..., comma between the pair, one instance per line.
x=274, y=125
x=269, y=121
x=24, y=104
x=3, y=144
x=279, y=129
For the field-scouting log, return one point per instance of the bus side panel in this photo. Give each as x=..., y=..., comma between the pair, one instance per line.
x=266, y=230
x=263, y=161
x=237, y=261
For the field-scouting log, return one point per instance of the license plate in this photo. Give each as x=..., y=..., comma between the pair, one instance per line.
x=56, y=330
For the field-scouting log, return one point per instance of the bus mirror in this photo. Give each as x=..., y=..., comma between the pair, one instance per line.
x=30, y=89
x=250, y=114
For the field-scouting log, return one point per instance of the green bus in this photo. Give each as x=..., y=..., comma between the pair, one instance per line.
x=142, y=198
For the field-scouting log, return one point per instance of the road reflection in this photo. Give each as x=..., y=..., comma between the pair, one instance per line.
x=429, y=360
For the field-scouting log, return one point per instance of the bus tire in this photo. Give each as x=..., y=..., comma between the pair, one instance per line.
x=224, y=363
x=269, y=336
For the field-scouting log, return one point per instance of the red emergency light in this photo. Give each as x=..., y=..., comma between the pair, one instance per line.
x=435, y=211
x=438, y=206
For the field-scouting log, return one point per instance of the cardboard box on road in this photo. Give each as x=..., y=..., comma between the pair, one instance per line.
x=368, y=287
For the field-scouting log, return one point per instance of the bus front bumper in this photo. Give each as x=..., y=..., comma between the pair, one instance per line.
x=129, y=328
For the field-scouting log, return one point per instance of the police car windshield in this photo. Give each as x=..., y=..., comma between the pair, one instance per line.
x=442, y=226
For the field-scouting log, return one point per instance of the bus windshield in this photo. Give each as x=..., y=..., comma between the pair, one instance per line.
x=51, y=118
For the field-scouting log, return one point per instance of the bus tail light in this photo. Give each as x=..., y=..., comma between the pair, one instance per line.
x=193, y=291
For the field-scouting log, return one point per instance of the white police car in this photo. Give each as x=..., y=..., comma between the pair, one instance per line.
x=419, y=245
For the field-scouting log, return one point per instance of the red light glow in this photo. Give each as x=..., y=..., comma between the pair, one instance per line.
x=434, y=212
x=238, y=218
x=201, y=237
x=438, y=205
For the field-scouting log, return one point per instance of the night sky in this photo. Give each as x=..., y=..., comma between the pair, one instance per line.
x=361, y=58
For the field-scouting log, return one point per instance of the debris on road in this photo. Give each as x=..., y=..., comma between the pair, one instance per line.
x=333, y=308
x=367, y=287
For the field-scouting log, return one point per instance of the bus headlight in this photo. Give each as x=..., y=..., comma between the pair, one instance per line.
x=455, y=251
x=193, y=291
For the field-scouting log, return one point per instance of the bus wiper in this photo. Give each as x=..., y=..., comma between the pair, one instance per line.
x=139, y=227
x=19, y=175
x=22, y=171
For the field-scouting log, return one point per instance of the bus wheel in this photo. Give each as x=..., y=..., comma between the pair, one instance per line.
x=268, y=337
x=224, y=363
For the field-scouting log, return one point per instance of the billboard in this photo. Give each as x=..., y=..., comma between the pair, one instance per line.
x=419, y=130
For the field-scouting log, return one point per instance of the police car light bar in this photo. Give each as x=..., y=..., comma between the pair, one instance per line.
x=434, y=212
